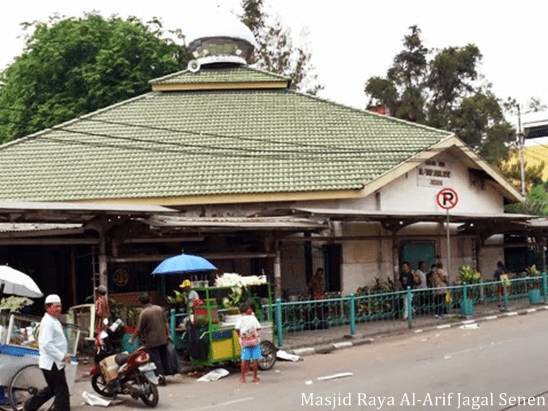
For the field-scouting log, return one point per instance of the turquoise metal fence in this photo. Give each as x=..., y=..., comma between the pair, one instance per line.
x=411, y=305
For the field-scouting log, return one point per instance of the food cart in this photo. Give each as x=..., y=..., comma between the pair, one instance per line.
x=210, y=338
x=20, y=376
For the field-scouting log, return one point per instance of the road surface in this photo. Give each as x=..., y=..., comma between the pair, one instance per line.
x=493, y=367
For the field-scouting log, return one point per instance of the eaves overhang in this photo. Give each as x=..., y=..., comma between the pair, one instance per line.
x=475, y=161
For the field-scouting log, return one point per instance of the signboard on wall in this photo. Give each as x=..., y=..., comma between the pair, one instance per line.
x=434, y=173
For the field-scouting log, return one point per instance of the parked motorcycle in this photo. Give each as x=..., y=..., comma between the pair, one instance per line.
x=123, y=373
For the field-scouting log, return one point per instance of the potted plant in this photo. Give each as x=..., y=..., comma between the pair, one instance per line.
x=240, y=285
x=533, y=287
x=468, y=275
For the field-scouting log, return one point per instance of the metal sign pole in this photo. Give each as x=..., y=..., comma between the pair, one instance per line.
x=448, y=246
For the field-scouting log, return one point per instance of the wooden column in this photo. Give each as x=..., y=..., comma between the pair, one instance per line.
x=277, y=272
x=395, y=265
x=73, y=278
x=103, y=278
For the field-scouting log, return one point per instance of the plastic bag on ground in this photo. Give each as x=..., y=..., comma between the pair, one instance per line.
x=93, y=400
x=214, y=375
x=283, y=355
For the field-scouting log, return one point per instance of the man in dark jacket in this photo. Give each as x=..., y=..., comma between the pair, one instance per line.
x=153, y=332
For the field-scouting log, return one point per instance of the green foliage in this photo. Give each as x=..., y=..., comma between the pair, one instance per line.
x=532, y=271
x=468, y=275
x=14, y=303
x=234, y=299
x=133, y=316
x=276, y=51
x=536, y=202
x=179, y=299
x=74, y=66
x=443, y=92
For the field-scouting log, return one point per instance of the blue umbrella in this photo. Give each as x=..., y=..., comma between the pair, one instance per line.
x=184, y=263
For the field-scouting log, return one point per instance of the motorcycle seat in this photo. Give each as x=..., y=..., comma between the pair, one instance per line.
x=121, y=358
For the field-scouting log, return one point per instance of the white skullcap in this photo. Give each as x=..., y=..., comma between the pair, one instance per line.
x=53, y=298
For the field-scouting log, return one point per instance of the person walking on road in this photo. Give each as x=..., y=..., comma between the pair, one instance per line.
x=53, y=347
x=153, y=332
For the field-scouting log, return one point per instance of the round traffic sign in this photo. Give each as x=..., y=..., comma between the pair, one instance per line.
x=447, y=198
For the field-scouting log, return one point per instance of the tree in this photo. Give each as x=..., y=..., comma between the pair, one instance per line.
x=77, y=65
x=443, y=92
x=276, y=51
x=536, y=202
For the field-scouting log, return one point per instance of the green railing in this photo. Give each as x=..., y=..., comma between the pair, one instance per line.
x=297, y=316
x=351, y=310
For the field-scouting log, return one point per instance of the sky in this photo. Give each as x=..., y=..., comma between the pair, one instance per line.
x=352, y=40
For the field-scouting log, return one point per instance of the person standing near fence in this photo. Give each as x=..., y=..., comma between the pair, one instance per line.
x=53, y=347
x=440, y=280
x=422, y=298
x=498, y=272
x=408, y=279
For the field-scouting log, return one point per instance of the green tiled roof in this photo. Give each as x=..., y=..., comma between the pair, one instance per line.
x=209, y=143
x=228, y=75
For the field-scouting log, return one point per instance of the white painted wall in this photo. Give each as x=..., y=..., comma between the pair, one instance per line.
x=364, y=260
x=408, y=193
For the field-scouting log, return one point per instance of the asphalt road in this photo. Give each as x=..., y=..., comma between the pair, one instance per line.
x=492, y=367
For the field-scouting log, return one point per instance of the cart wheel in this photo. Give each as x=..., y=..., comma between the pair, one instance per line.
x=25, y=384
x=268, y=352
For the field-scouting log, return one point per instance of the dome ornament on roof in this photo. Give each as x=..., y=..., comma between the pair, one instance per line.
x=223, y=40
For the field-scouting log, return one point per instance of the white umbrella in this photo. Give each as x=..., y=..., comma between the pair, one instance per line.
x=18, y=283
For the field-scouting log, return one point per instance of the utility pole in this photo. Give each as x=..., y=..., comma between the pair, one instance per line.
x=521, y=144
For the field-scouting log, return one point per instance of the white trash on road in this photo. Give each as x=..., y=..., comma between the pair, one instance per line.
x=93, y=400
x=214, y=375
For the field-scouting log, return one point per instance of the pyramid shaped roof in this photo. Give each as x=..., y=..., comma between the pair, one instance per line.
x=225, y=131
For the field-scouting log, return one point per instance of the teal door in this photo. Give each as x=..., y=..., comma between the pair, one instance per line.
x=415, y=251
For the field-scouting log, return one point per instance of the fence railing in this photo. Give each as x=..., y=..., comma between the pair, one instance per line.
x=409, y=305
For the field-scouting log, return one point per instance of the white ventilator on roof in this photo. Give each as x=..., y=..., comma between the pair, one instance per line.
x=219, y=38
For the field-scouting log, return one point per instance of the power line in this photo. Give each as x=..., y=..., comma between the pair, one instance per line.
x=338, y=149
x=223, y=151
x=232, y=152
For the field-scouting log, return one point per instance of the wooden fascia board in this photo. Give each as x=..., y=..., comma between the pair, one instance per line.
x=232, y=198
x=219, y=86
x=433, y=151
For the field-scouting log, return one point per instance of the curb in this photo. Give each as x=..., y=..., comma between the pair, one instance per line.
x=327, y=348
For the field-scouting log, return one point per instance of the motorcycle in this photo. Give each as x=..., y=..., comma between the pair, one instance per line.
x=122, y=373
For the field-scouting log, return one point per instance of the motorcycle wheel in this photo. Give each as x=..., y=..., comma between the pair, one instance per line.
x=150, y=394
x=268, y=351
x=99, y=385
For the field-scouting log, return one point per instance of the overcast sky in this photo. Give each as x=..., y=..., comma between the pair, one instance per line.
x=352, y=40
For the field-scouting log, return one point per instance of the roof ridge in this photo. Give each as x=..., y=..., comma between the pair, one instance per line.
x=167, y=76
x=269, y=73
x=386, y=117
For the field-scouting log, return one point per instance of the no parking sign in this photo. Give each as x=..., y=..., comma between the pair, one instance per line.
x=447, y=198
